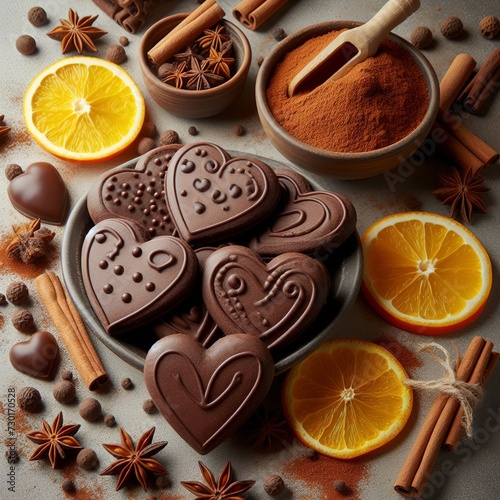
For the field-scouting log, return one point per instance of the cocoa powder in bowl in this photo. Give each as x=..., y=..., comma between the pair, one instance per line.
x=378, y=103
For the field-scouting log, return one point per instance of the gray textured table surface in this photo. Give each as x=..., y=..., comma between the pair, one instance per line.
x=471, y=474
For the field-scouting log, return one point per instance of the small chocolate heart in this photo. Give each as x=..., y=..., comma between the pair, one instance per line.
x=305, y=221
x=37, y=357
x=212, y=197
x=137, y=194
x=40, y=193
x=207, y=394
x=131, y=281
x=275, y=302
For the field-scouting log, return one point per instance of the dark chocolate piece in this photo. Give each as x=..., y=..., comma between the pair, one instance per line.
x=213, y=198
x=275, y=302
x=135, y=194
x=207, y=394
x=191, y=317
x=305, y=220
x=40, y=193
x=130, y=281
x=37, y=357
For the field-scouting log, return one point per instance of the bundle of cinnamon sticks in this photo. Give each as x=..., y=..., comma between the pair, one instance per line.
x=252, y=13
x=443, y=425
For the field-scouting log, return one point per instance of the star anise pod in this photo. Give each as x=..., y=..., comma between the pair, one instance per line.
x=77, y=34
x=219, y=63
x=187, y=56
x=220, y=490
x=176, y=75
x=462, y=191
x=3, y=129
x=134, y=460
x=201, y=78
x=213, y=38
x=54, y=440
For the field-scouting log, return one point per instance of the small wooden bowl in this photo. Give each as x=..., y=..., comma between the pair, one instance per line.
x=194, y=103
x=341, y=165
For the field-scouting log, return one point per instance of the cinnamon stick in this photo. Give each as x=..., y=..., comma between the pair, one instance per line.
x=454, y=79
x=252, y=13
x=417, y=467
x=202, y=18
x=71, y=329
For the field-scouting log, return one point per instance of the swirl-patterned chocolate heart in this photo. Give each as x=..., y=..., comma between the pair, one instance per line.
x=275, y=302
x=136, y=194
x=212, y=197
x=305, y=221
x=207, y=394
x=131, y=281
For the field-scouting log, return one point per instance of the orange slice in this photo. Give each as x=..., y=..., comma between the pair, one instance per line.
x=425, y=273
x=347, y=398
x=84, y=109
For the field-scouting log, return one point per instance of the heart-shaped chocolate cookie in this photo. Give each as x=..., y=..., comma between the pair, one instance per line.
x=137, y=194
x=212, y=197
x=130, y=281
x=305, y=221
x=40, y=193
x=38, y=356
x=207, y=394
x=275, y=302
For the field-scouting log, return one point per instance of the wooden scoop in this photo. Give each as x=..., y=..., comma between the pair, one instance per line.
x=352, y=47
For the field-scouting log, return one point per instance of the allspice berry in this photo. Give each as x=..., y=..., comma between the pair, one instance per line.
x=64, y=391
x=12, y=171
x=273, y=485
x=192, y=130
x=37, y=16
x=149, y=407
x=29, y=399
x=23, y=321
x=489, y=27
x=124, y=40
x=149, y=130
x=126, y=383
x=87, y=459
x=68, y=485
x=145, y=144
x=452, y=27
x=3, y=300
x=67, y=375
x=17, y=293
x=116, y=54
x=26, y=45
x=421, y=37
x=238, y=130
x=109, y=420
x=169, y=137
x=90, y=409
x=341, y=487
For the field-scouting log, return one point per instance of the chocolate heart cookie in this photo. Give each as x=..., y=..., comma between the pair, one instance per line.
x=40, y=193
x=305, y=221
x=275, y=302
x=137, y=194
x=212, y=197
x=131, y=281
x=207, y=394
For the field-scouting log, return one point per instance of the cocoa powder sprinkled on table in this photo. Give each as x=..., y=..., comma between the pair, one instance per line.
x=405, y=356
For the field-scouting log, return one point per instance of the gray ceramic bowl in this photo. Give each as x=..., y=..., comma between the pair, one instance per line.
x=194, y=103
x=341, y=165
x=345, y=269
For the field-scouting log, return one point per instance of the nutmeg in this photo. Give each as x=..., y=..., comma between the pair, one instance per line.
x=90, y=409
x=64, y=391
x=452, y=27
x=116, y=54
x=169, y=137
x=37, y=16
x=145, y=144
x=29, y=399
x=68, y=485
x=17, y=293
x=149, y=130
x=12, y=171
x=273, y=485
x=87, y=459
x=24, y=322
x=26, y=45
x=421, y=37
x=149, y=407
x=489, y=27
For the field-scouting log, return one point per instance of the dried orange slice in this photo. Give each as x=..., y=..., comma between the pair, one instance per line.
x=425, y=273
x=84, y=109
x=347, y=398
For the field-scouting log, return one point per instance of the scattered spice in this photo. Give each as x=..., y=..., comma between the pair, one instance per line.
x=87, y=459
x=221, y=489
x=409, y=359
x=238, y=130
x=145, y=144
x=192, y=130
x=421, y=37
x=279, y=34
x=162, y=481
x=311, y=454
x=116, y=54
x=169, y=137
x=68, y=485
x=67, y=375
x=17, y=293
x=149, y=407
x=273, y=485
x=54, y=440
x=64, y=391
x=462, y=191
x=126, y=383
x=489, y=27
x=37, y=16
x=341, y=487
x=4, y=130
x=26, y=45
x=267, y=431
x=90, y=409
x=77, y=34
x=452, y=27
x=109, y=420
x=149, y=130
x=12, y=171
x=29, y=399
x=124, y=41
x=23, y=321
x=134, y=460
x=30, y=242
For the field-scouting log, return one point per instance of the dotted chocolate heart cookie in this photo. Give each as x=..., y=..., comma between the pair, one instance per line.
x=212, y=197
x=136, y=194
x=131, y=281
